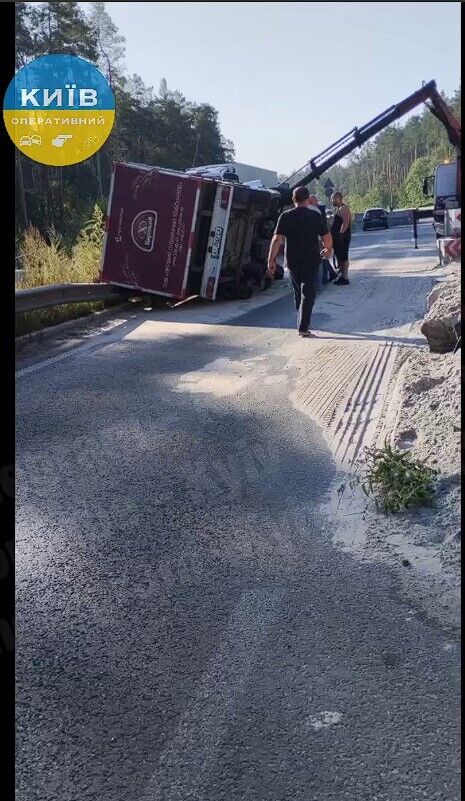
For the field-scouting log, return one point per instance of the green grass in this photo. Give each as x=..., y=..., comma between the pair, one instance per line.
x=395, y=480
x=27, y=322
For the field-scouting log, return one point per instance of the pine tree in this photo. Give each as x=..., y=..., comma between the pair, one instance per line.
x=110, y=44
x=62, y=28
x=23, y=38
x=163, y=89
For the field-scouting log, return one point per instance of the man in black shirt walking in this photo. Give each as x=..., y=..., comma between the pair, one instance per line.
x=300, y=229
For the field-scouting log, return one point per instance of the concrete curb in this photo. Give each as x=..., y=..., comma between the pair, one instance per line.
x=70, y=325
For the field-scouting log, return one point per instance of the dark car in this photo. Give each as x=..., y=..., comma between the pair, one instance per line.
x=375, y=218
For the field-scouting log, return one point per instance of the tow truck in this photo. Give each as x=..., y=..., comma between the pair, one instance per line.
x=443, y=187
x=176, y=234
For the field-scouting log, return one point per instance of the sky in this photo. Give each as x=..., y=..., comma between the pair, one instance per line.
x=288, y=79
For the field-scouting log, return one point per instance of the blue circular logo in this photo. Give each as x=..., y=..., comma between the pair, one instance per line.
x=59, y=109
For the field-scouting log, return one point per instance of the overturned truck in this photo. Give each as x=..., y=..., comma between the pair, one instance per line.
x=176, y=234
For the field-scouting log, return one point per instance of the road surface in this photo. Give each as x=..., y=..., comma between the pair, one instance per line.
x=185, y=628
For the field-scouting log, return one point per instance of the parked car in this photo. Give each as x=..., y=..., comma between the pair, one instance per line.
x=375, y=218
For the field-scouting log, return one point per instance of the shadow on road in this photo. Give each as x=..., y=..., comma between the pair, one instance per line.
x=181, y=616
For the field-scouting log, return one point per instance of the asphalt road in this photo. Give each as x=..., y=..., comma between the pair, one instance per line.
x=185, y=629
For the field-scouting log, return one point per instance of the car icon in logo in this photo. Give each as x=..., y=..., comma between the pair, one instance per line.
x=90, y=141
x=35, y=139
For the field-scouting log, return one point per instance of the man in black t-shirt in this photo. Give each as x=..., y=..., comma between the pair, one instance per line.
x=300, y=230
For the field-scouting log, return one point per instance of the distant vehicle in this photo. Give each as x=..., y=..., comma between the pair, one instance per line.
x=375, y=218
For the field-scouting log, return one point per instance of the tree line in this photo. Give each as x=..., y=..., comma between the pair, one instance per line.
x=161, y=128
x=389, y=171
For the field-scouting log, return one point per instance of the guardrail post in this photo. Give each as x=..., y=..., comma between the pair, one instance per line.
x=415, y=228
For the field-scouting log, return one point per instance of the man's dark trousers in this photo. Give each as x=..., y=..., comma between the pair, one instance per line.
x=305, y=282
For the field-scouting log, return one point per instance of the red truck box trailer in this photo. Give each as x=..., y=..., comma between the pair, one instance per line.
x=175, y=234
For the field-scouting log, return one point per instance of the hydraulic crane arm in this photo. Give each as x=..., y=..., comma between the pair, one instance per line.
x=358, y=136
x=441, y=110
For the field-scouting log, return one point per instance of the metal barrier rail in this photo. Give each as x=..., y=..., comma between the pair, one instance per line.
x=41, y=297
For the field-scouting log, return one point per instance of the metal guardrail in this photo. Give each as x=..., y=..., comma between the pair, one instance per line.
x=42, y=297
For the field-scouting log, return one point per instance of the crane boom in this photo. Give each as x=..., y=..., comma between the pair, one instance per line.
x=319, y=164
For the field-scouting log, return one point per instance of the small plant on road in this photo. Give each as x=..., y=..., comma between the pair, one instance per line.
x=396, y=480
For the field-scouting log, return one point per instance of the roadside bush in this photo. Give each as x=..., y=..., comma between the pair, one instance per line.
x=51, y=263
x=43, y=263
x=88, y=248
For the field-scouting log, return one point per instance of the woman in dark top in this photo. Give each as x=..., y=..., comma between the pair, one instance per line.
x=340, y=231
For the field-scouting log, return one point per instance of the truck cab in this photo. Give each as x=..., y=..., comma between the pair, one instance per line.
x=443, y=186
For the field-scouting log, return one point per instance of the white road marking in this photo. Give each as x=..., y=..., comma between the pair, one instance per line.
x=46, y=363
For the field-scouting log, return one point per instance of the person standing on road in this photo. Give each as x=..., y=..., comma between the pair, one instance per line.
x=341, y=233
x=299, y=230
